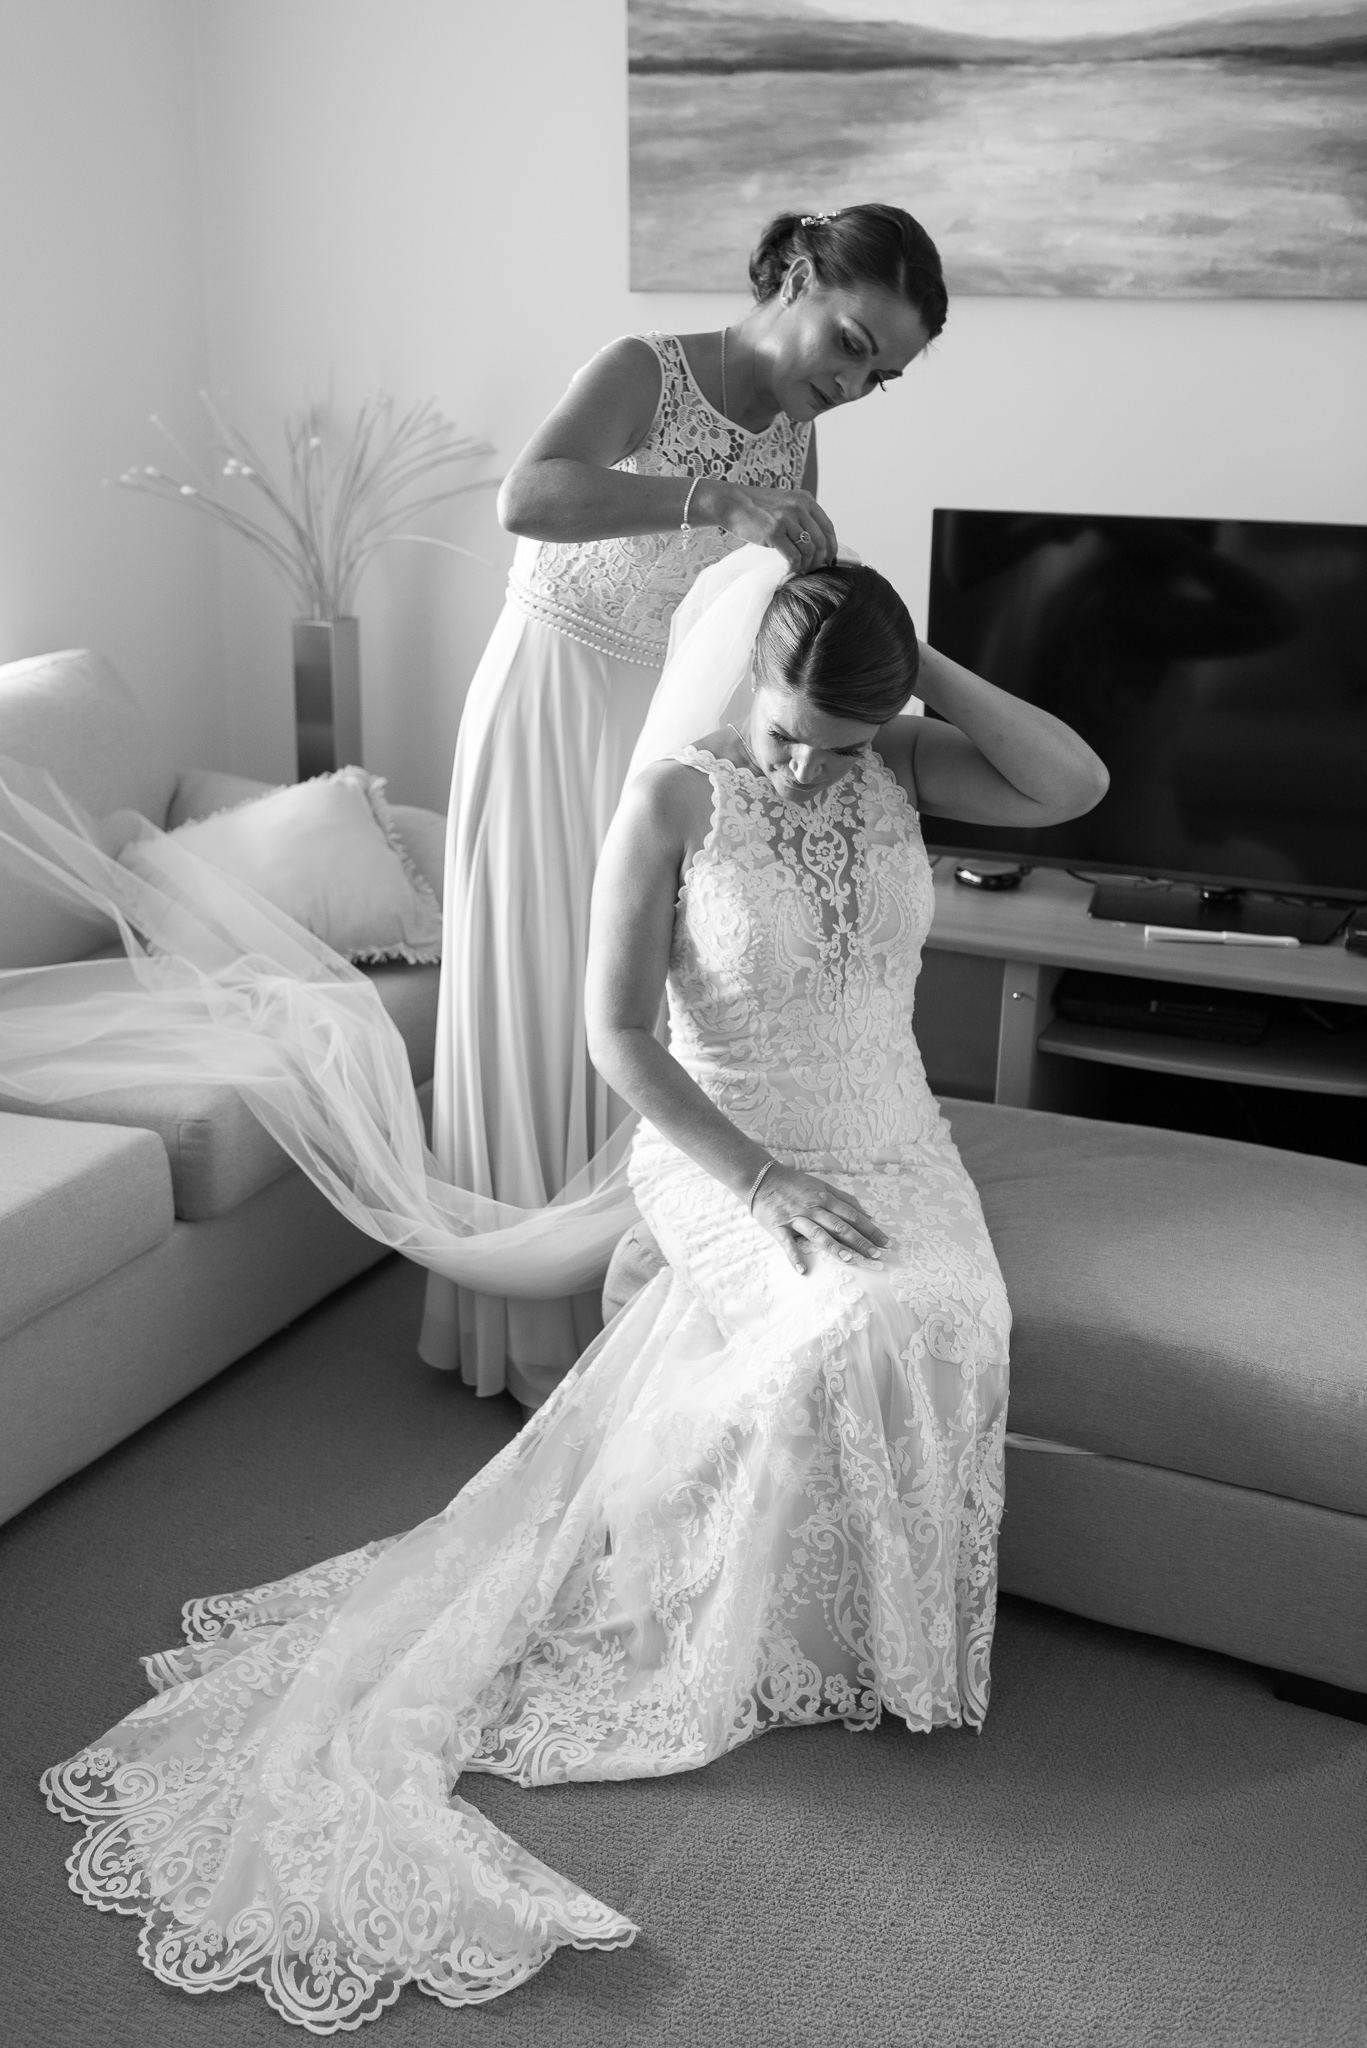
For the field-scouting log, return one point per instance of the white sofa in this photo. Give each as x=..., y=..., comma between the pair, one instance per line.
x=148, y=1237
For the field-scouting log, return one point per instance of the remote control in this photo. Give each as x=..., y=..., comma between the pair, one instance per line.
x=991, y=878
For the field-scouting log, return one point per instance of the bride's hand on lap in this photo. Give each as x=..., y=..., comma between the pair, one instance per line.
x=804, y=1214
x=791, y=521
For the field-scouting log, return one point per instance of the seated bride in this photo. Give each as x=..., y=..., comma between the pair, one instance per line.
x=768, y=1494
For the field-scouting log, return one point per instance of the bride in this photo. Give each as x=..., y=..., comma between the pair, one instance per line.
x=768, y=1493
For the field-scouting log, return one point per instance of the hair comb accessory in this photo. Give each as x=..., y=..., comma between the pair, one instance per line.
x=818, y=220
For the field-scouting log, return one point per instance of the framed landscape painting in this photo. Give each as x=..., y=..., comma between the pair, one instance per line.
x=1139, y=148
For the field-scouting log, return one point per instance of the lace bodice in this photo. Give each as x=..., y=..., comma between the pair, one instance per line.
x=619, y=595
x=797, y=942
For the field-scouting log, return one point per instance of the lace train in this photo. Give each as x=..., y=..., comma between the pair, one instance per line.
x=700, y=1535
x=281, y=1811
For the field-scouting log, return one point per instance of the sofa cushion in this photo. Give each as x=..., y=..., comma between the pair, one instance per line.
x=77, y=1201
x=1185, y=1302
x=73, y=715
x=218, y=1153
x=424, y=836
x=328, y=854
x=200, y=792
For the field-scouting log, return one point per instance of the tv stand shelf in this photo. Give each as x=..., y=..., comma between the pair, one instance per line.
x=1006, y=950
x=1316, y=1061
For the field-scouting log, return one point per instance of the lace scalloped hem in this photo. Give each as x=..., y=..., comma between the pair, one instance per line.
x=306, y=1976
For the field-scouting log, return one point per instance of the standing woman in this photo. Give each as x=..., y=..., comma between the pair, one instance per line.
x=666, y=452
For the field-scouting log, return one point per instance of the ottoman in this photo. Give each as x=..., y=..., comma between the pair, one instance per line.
x=1188, y=1447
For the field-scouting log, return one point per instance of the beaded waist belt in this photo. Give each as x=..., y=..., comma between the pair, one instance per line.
x=589, y=632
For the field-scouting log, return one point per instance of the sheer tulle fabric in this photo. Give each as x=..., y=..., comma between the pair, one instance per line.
x=706, y=676
x=218, y=986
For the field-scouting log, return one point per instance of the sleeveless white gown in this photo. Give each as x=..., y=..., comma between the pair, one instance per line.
x=758, y=1499
x=548, y=729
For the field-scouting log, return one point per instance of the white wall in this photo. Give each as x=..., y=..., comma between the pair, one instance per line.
x=433, y=196
x=103, y=323
x=430, y=198
x=430, y=195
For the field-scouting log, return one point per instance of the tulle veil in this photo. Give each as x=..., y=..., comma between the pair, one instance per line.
x=216, y=985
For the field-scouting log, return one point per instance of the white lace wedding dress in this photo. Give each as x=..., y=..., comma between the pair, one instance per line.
x=758, y=1499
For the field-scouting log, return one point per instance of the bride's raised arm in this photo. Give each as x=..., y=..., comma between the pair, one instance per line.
x=998, y=760
x=663, y=815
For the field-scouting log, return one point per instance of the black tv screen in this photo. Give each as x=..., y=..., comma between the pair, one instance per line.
x=1219, y=667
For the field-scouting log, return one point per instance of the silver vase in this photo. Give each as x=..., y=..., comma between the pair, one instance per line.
x=327, y=694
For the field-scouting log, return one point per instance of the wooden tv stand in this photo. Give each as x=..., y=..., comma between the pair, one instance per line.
x=1012, y=946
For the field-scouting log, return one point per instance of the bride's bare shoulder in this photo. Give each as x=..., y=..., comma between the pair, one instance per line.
x=669, y=798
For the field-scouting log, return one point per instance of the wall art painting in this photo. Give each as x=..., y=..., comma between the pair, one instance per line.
x=1136, y=148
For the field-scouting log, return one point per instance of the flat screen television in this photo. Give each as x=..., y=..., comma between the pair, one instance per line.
x=1218, y=666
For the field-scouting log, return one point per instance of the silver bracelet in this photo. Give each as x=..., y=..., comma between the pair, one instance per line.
x=767, y=1167
x=684, y=526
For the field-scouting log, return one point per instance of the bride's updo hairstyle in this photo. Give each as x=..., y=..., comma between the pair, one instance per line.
x=860, y=245
x=843, y=639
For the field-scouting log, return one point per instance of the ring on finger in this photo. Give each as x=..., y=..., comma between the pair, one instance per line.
x=804, y=539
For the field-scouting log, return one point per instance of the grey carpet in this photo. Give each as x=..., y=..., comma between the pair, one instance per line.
x=1145, y=1846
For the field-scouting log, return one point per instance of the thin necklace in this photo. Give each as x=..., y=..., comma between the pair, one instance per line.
x=745, y=747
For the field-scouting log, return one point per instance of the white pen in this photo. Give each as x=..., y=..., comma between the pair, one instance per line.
x=1191, y=936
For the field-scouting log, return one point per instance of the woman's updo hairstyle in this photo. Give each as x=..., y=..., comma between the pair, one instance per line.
x=842, y=639
x=860, y=245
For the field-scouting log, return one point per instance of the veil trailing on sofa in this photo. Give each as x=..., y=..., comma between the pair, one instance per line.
x=216, y=985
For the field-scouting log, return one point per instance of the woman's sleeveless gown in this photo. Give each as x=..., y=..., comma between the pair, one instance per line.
x=552, y=717
x=759, y=1499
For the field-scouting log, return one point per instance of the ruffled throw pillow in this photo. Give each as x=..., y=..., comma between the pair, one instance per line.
x=327, y=852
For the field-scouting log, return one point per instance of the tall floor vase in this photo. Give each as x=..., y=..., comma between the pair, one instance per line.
x=327, y=694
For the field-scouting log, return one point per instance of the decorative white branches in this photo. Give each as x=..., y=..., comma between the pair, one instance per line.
x=344, y=498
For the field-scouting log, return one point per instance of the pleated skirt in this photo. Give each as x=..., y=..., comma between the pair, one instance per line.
x=545, y=741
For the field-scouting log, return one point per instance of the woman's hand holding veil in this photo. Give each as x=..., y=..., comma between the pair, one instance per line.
x=791, y=521
x=802, y=1212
